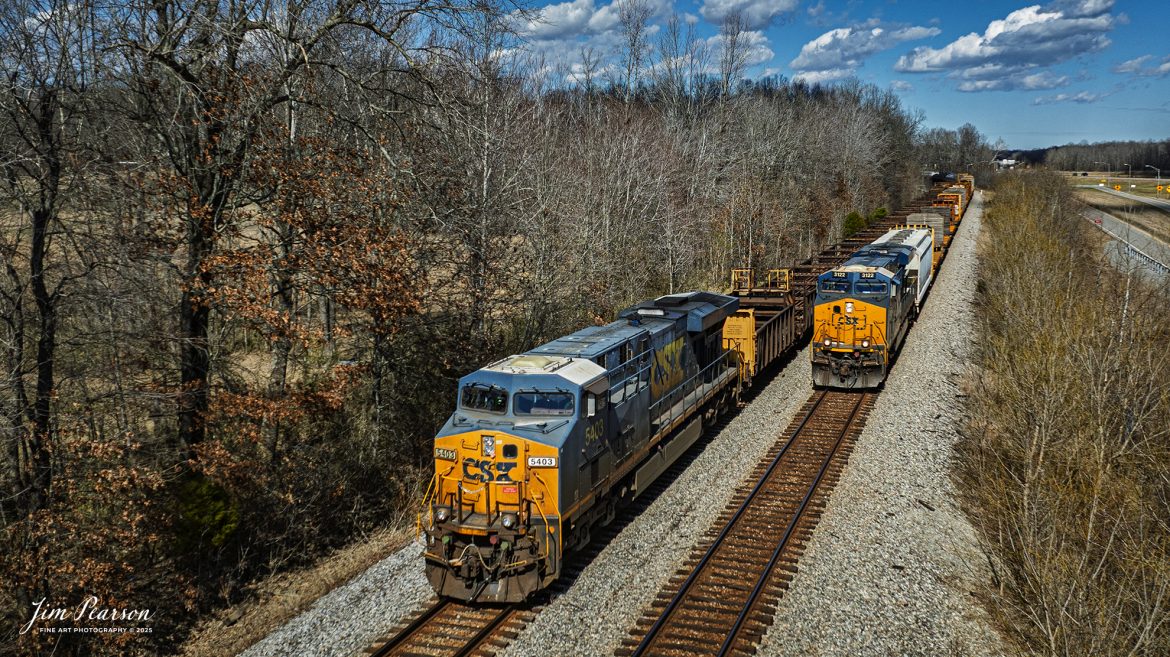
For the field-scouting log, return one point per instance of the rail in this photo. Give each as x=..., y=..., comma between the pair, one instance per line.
x=708, y=615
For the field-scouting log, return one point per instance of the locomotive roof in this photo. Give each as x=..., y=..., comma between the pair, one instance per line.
x=907, y=236
x=591, y=341
x=702, y=309
x=575, y=370
x=885, y=258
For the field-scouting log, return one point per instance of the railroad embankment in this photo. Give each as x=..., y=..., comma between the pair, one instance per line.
x=892, y=565
x=1064, y=465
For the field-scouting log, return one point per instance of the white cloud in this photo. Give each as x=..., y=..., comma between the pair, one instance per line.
x=1018, y=81
x=1080, y=97
x=819, y=77
x=555, y=21
x=756, y=14
x=1012, y=48
x=575, y=18
x=754, y=41
x=1132, y=66
x=901, y=85
x=848, y=47
x=1137, y=66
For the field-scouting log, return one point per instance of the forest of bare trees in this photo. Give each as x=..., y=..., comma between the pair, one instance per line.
x=1140, y=158
x=247, y=247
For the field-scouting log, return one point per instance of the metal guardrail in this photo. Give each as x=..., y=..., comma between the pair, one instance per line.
x=1131, y=250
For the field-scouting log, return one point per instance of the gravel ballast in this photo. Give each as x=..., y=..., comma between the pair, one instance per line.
x=889, y=569
x=892, y=565
x=593, y=616
x=352, y=616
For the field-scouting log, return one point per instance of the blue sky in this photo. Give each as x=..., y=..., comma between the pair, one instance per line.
x=1032, y=75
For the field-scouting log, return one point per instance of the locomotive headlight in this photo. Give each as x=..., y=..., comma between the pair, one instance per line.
x=828, y=343
x=865, y=343
x=489, y=446
x=510, y=520
x=442, y=513
x=848, y=306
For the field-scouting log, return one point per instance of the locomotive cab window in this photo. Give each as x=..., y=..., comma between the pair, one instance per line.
x=871, y=288
x=835, y=287
x=595, y=403
x=543, y=403
x=478, y=397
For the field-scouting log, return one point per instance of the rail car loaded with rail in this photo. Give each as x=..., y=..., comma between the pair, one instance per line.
x=546, y=444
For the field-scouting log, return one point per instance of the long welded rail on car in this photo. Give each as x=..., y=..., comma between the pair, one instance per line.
x=710, y=610
x=446, y=628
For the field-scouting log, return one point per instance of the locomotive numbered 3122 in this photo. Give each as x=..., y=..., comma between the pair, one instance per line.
x=864, y=307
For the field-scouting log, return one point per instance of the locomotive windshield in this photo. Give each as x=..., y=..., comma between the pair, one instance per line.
x=478, y=397
x=543, y=403
x=871, y=288
x=835, y=287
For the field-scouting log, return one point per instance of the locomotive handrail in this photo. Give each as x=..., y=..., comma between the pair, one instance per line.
x=432, y=489
x=683, y=390
x=540, y=507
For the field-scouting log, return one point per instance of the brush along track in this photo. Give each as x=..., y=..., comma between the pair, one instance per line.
x=450, y=628
x=722, y=600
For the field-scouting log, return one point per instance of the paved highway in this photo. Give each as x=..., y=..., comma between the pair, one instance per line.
x=1157, y=203
x=1154, y=254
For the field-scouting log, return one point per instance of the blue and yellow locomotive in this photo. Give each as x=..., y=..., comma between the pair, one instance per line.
x=865, y=306
x=545, y=445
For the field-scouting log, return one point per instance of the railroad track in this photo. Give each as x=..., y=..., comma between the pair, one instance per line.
x=722, y=601
x=446, y=628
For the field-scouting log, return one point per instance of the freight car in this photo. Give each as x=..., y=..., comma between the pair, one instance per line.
x=864, y=307
x=547, y=444
x=771, y=318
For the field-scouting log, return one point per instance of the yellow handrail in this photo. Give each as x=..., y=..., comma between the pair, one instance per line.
x=543, y=515
x=431, y=488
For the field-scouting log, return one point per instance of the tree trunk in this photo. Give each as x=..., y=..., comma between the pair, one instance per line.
x=194, y=320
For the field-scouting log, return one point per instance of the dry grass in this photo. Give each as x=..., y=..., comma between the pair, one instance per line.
x=280, y=598
x=1064, y=465
x=1154, y=221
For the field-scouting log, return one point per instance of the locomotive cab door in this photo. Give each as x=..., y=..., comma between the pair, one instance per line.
x=597, y=452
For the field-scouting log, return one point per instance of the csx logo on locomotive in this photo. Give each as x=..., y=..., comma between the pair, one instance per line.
x=482, y=471
x=668, y=368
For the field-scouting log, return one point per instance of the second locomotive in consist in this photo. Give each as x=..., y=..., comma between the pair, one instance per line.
x=864, y=307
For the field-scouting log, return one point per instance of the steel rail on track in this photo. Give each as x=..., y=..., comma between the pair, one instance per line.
x=763, y=579
x=409, y=632
x=652, y=633
x=484, y=633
